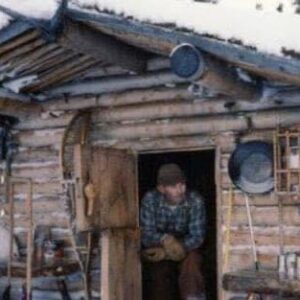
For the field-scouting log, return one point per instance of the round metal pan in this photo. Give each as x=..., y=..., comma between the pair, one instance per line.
x=251, y=167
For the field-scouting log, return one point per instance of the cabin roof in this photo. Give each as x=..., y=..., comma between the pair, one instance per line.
x=36, y=64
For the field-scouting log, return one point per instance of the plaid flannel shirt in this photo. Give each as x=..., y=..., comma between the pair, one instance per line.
x=186, y=222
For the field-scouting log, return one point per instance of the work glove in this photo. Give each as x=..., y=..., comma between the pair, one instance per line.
x=154, y=254
x=173, y=248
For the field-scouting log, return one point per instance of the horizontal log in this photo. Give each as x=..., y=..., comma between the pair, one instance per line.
x=16, y=108
x=264, y=236
x=41, y=206
x=154, y=79
x=40, y=138
x=238, y=199
x=57, y=219
x=40, y=174
x=36, y=154
x=193, y=126
x=44, y=189
x=118, y=99
x=50, y=121
x=264, y=216
x=158, y=145
x=240, y=259
x=262, y=282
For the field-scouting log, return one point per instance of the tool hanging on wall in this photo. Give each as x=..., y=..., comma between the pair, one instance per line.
x=74, y=162
x=252, y=296
x=228, y=230
x=250, y=224
x=75, y=167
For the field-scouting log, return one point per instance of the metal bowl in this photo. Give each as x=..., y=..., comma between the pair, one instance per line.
x=251, y=167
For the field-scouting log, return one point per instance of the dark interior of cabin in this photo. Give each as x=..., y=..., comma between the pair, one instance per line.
x=199, y=168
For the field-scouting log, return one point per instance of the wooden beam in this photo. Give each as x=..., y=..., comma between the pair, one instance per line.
x=16, y=108
x=122, y=83
x=266, y=282
x=163, y=40
x=224, y=80
x=13, y=30
x=101, y=47
x=209, y=72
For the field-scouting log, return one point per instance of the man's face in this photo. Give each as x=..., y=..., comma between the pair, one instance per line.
x=173, y=193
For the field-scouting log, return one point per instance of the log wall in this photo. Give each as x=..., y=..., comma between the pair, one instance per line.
x=162, y=119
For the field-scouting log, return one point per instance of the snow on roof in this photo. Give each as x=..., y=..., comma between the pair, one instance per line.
x=30, y=8
x=4, y=20
x=268, y=25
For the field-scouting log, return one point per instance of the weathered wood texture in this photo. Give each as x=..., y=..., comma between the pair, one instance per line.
x=120, y=273
x=261, y=282
x=101, y=47
x=267, y=226
x=114, y=176
x=153, y=121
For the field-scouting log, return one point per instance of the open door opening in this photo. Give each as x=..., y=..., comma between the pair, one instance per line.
x=199, y=167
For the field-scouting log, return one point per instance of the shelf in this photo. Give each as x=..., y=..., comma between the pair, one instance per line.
x=57, y=269
x=261, y=282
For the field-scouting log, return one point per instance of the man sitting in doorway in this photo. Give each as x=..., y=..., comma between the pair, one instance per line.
x=173, y=227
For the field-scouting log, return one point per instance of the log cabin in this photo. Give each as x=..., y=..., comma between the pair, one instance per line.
x=90, y=95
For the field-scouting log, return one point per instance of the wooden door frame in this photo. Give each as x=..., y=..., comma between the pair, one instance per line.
x=219, y=238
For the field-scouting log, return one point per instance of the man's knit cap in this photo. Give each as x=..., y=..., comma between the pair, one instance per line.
x=170, y=174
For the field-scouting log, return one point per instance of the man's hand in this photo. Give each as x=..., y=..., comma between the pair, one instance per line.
x=173, y=248
x=154, y=254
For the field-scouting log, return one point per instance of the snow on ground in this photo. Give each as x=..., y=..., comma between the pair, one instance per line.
x=268, y=25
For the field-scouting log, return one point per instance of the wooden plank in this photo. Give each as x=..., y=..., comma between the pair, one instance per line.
x=14, y=29
x=114, y=178
x=120, y=267
x=101, y=47
x=62, y=72
x=20, y=40
x=19, y=64
x=263, y=282
x=22, y=50
x=50, y=60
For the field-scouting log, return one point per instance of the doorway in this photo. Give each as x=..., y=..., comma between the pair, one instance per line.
x=199, y=168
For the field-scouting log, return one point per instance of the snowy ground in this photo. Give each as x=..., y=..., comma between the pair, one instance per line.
x=268, y=25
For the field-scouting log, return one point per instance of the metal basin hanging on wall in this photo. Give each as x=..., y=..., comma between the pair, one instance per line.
x=251, y=167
